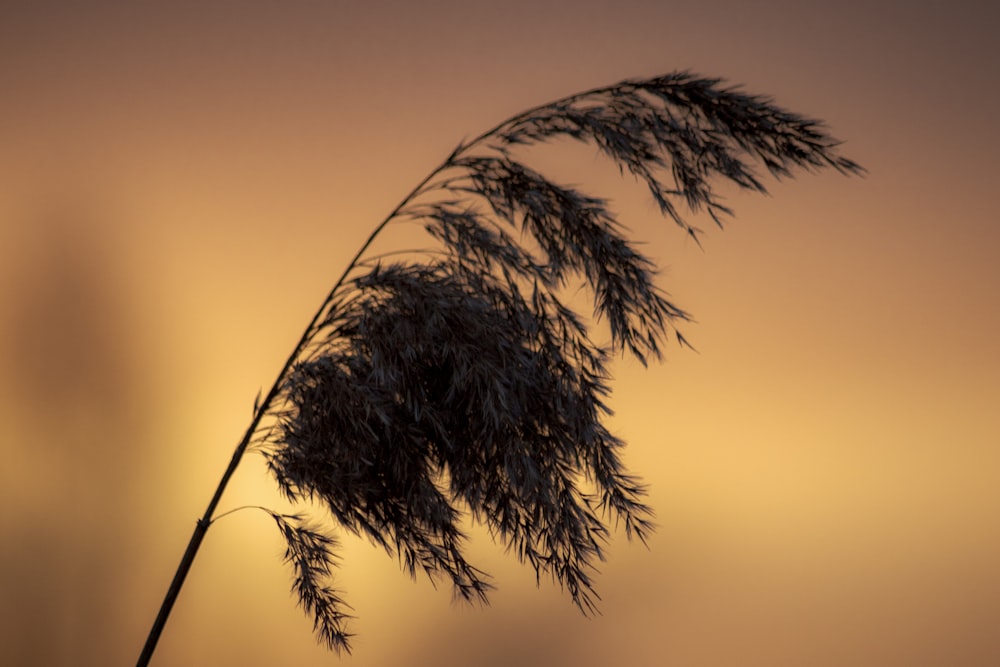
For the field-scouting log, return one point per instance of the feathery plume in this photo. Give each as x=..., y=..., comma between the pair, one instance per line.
x=457, y=383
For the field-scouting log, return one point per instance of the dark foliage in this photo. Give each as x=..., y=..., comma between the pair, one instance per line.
x=457, y=383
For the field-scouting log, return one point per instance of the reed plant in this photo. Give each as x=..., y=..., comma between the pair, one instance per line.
x=455, y=384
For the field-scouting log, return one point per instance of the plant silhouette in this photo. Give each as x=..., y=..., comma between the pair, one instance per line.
x=454, y=382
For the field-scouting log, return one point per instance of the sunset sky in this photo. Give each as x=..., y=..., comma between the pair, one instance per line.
x=181, y=183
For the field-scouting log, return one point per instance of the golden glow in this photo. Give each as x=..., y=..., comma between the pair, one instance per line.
x=178, y=189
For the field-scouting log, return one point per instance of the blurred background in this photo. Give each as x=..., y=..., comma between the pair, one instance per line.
x=180, y=184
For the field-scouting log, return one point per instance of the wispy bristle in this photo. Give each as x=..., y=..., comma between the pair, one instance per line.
x=458, y=380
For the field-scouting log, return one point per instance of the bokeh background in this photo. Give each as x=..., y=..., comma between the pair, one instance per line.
x=181, y=182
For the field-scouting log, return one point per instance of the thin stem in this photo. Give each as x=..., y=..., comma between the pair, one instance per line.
x=202, y=526
x=240, y=509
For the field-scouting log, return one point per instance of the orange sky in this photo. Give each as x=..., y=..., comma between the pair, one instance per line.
x=180, y=184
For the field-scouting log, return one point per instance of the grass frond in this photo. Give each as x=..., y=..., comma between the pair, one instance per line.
x=455, y=380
